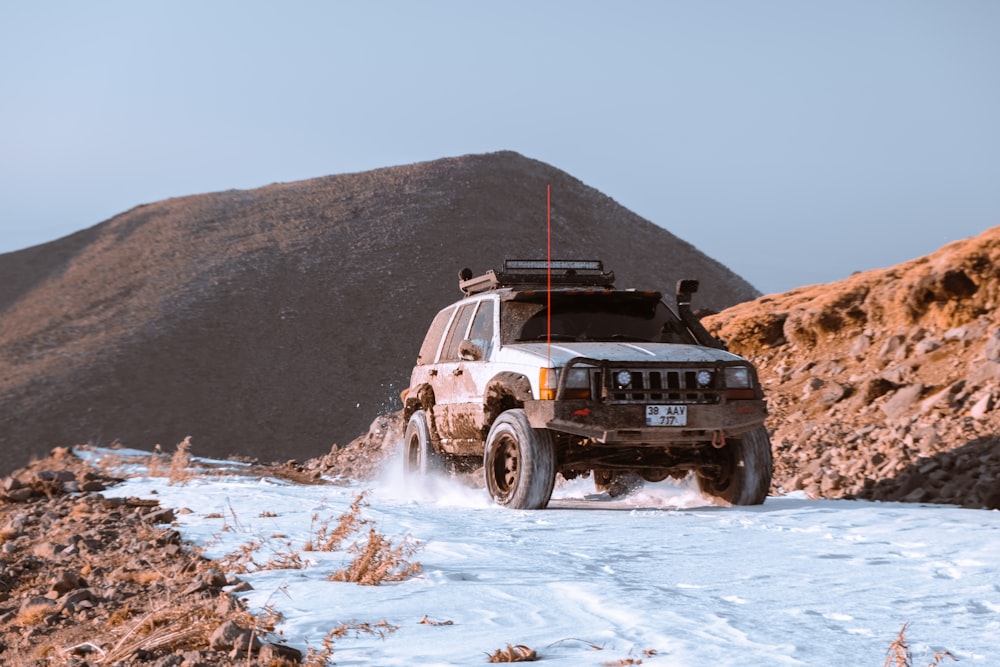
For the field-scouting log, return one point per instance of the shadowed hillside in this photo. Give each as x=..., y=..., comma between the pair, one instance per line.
x=275, y=322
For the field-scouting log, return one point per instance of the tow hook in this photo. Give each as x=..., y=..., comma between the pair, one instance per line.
x=718, y=439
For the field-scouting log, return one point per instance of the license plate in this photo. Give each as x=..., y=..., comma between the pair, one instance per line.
x=666, y=415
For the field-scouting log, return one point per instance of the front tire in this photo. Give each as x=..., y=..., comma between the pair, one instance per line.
x=519, y=462
x=745, y=471
x=419, y=457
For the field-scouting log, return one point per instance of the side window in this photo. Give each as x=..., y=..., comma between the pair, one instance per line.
x=429, y=349
x=457, y=333
x=481, y=334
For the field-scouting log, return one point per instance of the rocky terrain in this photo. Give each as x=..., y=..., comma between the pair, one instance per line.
x=275, y=322
x=88, y=580
x=885, y=385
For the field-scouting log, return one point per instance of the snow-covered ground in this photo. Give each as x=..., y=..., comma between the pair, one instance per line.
x=596, y=581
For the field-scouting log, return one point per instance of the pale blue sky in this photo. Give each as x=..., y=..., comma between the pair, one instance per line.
x=794, y=141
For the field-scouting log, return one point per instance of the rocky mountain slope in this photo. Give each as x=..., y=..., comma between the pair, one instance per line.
x=885, y=385
x=275, y=322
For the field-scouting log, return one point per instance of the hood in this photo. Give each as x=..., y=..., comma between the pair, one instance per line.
x=617, y=352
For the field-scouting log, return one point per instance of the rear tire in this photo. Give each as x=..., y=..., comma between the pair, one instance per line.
x=747, y=466
x=519, y=463
x=419, y=457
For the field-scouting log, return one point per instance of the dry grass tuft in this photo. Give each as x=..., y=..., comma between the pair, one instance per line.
x=630, y=660
x=179, y=469
x=180, y=462
x=285, y=559
x=172, y=626
x=518, y=653
x=33, y=614
x=382, y=629
x=349, y=522
x=155, y=466
x=899, y=654
x=320, y=657
x=143, y=577
x=427, y=621
x=377, y=561
x=242, y=560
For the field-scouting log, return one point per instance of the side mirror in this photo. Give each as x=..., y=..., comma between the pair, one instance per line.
x=469, y=351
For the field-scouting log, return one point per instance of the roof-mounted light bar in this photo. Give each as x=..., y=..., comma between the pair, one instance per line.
x=537, y=265
x=535, y=272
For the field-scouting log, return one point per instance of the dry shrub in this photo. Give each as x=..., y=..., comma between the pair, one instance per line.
x=518, y=653
x=349, y=522
x=377, y=561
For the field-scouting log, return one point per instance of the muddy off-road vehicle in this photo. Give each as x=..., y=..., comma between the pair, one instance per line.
x=542, y=369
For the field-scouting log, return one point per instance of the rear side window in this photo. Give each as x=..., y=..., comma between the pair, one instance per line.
x=457, y=333
x=430, y=347
x=481, y=334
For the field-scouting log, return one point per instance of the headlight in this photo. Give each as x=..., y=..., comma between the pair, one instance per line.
x=737, y=377
x=577, y=383
x=704, y=378
x=623, y=379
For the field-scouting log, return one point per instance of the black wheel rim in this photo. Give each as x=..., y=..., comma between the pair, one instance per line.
x=507, y=466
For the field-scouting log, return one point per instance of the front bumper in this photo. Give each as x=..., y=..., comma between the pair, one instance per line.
x=625, y=424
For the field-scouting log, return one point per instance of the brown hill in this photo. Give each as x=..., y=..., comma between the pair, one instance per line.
x=273, y=322
x=885, y=385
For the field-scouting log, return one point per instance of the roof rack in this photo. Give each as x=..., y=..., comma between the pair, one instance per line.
x=564, y=272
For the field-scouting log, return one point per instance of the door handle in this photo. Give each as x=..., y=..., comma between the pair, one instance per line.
x=457, y=371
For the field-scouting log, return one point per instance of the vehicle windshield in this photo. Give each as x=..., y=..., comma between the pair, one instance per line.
x=601, y=317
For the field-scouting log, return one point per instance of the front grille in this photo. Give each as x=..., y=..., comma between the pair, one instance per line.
x=651, y=385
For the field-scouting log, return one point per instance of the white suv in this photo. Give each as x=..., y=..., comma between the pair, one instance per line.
x=544, y=368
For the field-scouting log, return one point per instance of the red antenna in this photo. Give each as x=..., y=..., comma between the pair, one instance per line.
x=548, y=235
